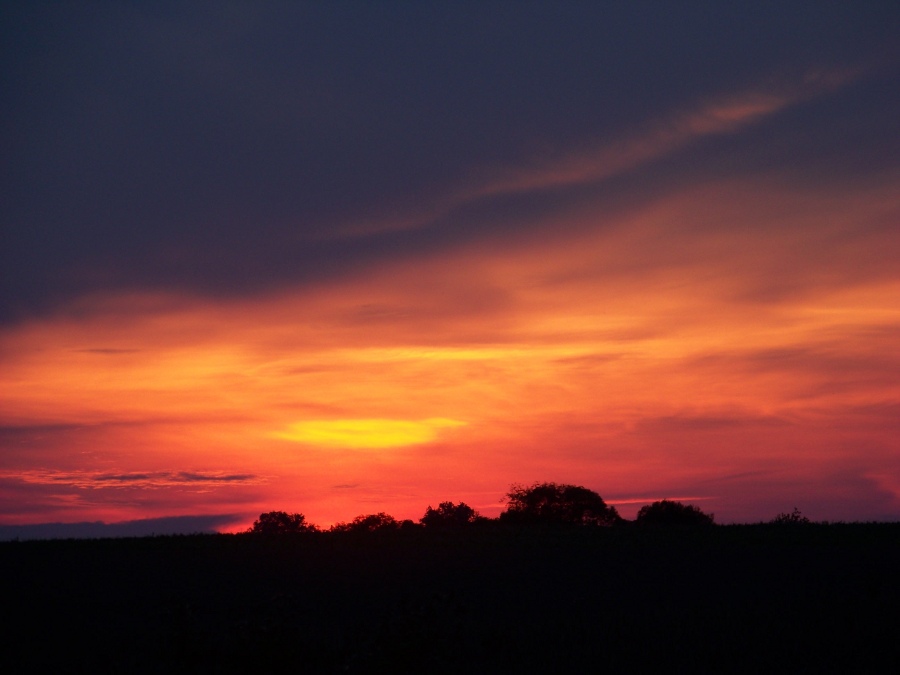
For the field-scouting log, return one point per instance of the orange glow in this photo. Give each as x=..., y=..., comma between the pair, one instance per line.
x=642, y=354
x=374, y=434
x=427, y=254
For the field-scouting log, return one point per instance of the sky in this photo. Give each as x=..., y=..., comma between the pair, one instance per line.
x=343, y=258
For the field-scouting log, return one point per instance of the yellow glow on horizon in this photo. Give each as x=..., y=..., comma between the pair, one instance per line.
x=367, y=433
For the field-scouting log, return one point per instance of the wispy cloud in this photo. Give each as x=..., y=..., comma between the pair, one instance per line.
x=690, y=422
x=593, y=161
x=725, y=114
x=650, y=500
x=132, y=479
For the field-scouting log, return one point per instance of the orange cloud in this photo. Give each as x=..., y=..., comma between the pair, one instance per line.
x=725, y=114
x=735, y=328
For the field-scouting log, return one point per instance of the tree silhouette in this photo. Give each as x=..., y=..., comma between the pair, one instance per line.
x=368, y=523
x=793, y=518
x=280, y=522
x=667, y=512
x=555, y=503
x=448, y=514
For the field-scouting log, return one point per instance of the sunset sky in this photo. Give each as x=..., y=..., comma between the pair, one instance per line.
x=342, y=258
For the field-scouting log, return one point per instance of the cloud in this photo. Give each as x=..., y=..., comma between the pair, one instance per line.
x=15, y=432
x=727, y=114
x=172, y=525
x=615, y=241
x=222, y=156
x=93, y=480
x=649, y=500
x=688, y=422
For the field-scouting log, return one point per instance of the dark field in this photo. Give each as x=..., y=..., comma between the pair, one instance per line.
x=755, y=598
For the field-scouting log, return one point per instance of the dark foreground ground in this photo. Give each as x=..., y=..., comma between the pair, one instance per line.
x=813, y=599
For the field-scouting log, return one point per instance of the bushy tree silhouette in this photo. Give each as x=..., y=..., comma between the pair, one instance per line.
x=280, y=522
x=667, y=512
x=556, y=503
x=368, y=523
x=448, y=514
x=793, y=518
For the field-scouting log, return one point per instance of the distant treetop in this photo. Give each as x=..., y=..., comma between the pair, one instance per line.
x=280, y=522
x=538, y=503
x=793, y=518
x=667, y=512
x=557, y=503
x=448, y=514
x=368, y=523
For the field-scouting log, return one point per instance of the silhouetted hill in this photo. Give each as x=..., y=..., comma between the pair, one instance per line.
x=756, y=598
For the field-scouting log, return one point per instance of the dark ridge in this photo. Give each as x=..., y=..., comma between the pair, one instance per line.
x=491, y=598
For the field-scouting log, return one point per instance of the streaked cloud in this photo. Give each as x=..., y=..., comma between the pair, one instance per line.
x=722, y=115
x=649, y=500
x=93, y=480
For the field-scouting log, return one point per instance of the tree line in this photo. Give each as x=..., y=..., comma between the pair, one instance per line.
x=538, y=503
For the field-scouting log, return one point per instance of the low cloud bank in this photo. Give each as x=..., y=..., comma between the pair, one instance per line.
x=129, y=528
